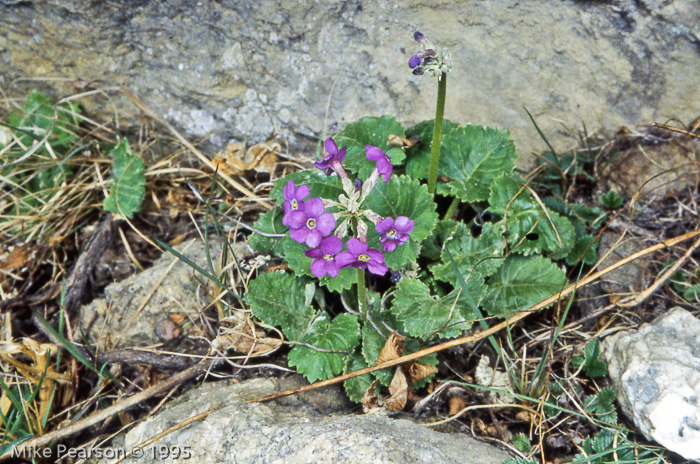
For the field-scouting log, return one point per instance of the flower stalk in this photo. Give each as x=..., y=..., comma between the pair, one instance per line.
x=361, y=291
x=437, y=133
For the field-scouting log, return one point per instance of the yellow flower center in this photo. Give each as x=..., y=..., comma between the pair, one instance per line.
x=328, y=257
x=311, y=223
x=364, y=258
x=391, y=233
x=295, y=204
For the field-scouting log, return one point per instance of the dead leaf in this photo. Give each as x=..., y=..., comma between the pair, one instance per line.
x=392, y=348
x=230, y=160
x=262, y=157
x=242, y=335
x=420, y=371
x=524, y=416
x=399, y=392
x=177, y=318
x=456, y=404
x=369, y=399
x=5, y=404
x=18, y=258
x=398, y=141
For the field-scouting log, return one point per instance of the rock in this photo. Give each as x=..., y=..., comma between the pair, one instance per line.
x=245, y=69
x=138, y=310
x=296, y=430
x=656, y=372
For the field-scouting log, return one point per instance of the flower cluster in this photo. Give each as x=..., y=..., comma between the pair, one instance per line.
x=309, y=222
x=433, y=60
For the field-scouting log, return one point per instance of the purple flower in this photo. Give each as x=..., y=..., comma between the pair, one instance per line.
x=293, y=197
x=384, y=166
x=326, y=257
x=394, y=232
x=333, y=161
x=359, y=255
x=310, y=223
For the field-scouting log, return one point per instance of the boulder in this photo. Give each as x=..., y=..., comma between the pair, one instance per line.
x=310, y=428
x=247, y=70
x=656, y=372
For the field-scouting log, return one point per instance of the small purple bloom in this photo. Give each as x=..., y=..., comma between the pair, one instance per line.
x=415, y=60
x=334, y=159
x=359, y=255
x=293, y=196
x=384, y=166
x=394, y=232
x=310, y=223
x=418, y=37
x=326, y=261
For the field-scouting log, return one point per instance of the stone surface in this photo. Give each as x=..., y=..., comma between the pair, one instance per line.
x=137, y=311
x=243, y=69
x=297, y=430
x=656, y=372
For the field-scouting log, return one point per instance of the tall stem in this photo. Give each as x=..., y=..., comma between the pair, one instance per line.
x=437, y=133
x=361, y=292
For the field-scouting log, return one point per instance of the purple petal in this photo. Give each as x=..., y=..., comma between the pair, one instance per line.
x=375, y=255
x=377, y=268
x=302, y=192
x=356, y=247
x=345, y=259
x=296, y=219
x=403, y=224
x=418, y=36
x=331, y=147
x=418, y=71
x=299, y=235
x=384, y=226
x=389, y=246
x=341, y=154
x=289, y=190
x=318, y=267
x=374, y=153
x=415, y=60
x=313, y=253
x=313, y=239
x=332, y=268
x=325, y=224
x=313, y=207
x=331, y=245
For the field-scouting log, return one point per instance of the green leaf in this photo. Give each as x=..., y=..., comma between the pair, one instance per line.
x=279, y=299
x=486, y=251
x=403, y=196
x=530, y=227
x=340, y=336
x=602, y=405
x=612, y=200
x=418, y=156
x=593, y=366
x=37, y=117
x=522, y=282
x=320, y=185
x=585, y=250
x=369, y=131
x=301, y=265
x=522, y=442
x=432, y=246
x=269, y=223
x=476, y=156
x=423, y=315
x=128, y=185
x=692, y=293
x=355, y=388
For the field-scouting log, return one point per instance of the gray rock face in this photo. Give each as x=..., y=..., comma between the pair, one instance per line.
x=656, y=371
x=296, y=430
x=235, y=69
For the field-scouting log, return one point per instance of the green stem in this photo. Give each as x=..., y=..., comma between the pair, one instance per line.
x=451, y=210
x=437, y=133
x=361, y=292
